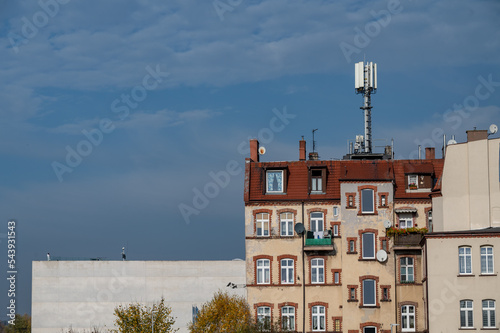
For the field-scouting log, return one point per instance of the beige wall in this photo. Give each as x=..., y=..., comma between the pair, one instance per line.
x=446, y=288
x=470, y=187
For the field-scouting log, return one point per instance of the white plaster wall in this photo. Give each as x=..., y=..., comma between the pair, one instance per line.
x=84, y=294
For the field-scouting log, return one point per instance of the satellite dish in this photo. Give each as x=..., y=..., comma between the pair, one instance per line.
x=262, y=150
x=381, y=256
x=493, y=129
x=299, y=228
x=452, y=142
x=387, y=224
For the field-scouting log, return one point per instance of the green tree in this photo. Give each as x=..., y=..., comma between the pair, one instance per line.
x=229, y=314
x=22, y=324
x=136, y=318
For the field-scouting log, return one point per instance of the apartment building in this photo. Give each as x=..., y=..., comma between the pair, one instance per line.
x=357, y=267
x=462, y=284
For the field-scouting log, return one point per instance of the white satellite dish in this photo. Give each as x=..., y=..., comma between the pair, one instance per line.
x=452, y=142
x=387, y=224
x=381, y=256
x=262, y=150
x=493, y=129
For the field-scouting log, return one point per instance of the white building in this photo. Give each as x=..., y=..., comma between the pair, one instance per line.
x=84, y=294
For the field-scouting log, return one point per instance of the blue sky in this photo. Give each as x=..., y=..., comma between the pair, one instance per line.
x=157, y=97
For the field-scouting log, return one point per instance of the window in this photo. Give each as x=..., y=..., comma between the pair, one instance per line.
x=406, y=269
x=352, y=294
x=317, y=271
x=288, y=317
x=383, y=200
x=369, y=329
x=412, y=181
x=316, y=222
x=369, y=296
x=264, y=316
x=466, y=314
x=335, y=211
x=465, y=260
x=384, y=245
x=352, y=246
x=263, y=271
x=286, y=221
x=405, y=220
x=317, y=180
x=335, y=230
x=350, y=201
x=287, y=267
x=318, y=318
x=336, y=277
x=367, y=201
x=429, y=219
x=385, y=294
x=274, y=181
x=408, y=318
x=486, y=260
x=337, y=325
x=368, y=245
x=262, y=224
x=489, y=313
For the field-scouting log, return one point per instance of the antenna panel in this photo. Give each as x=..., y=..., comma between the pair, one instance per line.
x=356, y=81
x=371, y=75
x=375, y=76
x=361, y=74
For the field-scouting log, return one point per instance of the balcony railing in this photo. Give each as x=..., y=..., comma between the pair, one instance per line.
x=410, y=239
x=319, y=241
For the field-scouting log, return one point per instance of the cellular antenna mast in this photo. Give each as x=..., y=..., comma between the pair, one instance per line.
x=365, y=82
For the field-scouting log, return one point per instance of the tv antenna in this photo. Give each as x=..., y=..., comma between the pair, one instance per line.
x=314, y=142
x=365, y=82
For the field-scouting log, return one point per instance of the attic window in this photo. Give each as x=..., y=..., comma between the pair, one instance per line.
x=274, y=181
x=317, y=178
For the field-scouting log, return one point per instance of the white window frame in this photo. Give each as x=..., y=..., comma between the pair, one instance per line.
x=405, y=220
x=407, y=264
x=317, y=270
x=365, y=328
x=364, y=209
x=336, y=277
x=286, y=224
x=489, y=315
x=364, y=247
x=288, y=318
x=410, y=180
x=317, y=182
x=465, y=260
x=408, y=318
x=272, y=190
x=383, y=200
x=335, y=230
x=352, y=246
x=287, y=271
x=487, y=259
x=317, y=223
x=263, y=271
x=262, y=221
x=318, y=321
x=365, y=291
x=336, y=211
x=467, y=313
x=264, y=316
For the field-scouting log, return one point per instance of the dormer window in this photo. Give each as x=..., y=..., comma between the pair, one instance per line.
x=412, y=182
x=274, y=181
x=317, y=179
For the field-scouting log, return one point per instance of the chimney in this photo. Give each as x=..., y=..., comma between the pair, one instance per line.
x=254, y=150
x=302, y=150
x=474, y=135
x=430, y=153
x=314, y=156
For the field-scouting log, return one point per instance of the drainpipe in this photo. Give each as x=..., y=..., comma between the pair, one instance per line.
x=303, y=277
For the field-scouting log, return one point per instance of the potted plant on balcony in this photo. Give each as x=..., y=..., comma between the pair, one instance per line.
x=412, y=186
x=407, y=236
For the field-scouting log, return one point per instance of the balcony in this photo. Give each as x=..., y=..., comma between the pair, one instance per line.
x=410, y=239
x=319, y=241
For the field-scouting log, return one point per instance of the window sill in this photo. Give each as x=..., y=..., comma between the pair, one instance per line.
x=466, y=275
x=352, y=252
x=369, y=306
x=275, y=193
x=352, y=300
x=386, y=300
x=353, y=207
x=317, y=193
x=367, y=214
x=367, y=259
x=489, y=328
x=467, y=328
x=490, y=274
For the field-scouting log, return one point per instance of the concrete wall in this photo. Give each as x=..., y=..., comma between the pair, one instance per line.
x=83, y=294
x=470, y=187
x=446, y=287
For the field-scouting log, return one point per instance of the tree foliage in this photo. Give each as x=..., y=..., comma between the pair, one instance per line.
x=22, y=324
x=136, y=318
x=229, y=314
